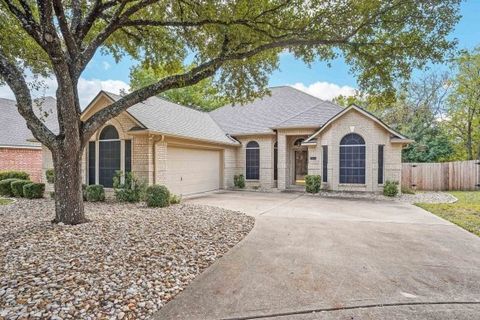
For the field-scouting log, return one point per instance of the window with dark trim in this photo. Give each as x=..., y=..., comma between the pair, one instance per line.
x=109, y=156
x=325, y=163
x=381, y=149
x=128, y=155
x=352, y=159
x=91, y=162
x=252, y=161
x=275, y=161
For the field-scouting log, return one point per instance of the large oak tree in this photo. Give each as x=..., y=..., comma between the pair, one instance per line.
x=238, y=41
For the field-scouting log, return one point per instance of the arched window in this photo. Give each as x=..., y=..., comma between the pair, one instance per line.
x=109, y=133
x=252, y=161
x=275, y=161
x=352, y=159
x=109, y=156
x=298, y=142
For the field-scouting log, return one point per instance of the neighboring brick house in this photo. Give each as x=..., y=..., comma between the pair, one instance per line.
x=273, y=141
x=17, y=149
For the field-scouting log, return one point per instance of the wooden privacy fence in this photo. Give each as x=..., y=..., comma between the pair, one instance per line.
x=457, y=175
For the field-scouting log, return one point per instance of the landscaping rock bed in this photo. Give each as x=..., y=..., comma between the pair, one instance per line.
x=126, y=263
x=419, y=197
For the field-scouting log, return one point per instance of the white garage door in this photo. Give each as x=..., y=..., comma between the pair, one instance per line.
x=192, y=170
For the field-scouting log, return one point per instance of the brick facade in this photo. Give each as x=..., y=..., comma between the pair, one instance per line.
x=22, y=159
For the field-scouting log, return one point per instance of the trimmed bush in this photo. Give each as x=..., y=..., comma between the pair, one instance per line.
x=174, y=199
x=131, y=190
x=313, y=183
x=17, y=187
x=33, y=190
x=50, y=175
x=21, y=175
x=390, y=189
x=239, y=181
x=6, y=187
x=95, y=193
x=157, y=196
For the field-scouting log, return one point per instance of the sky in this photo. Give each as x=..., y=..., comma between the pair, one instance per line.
x=318, y=79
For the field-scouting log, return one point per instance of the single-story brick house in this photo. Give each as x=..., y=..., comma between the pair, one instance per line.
x=273, y=141
x=17, y=149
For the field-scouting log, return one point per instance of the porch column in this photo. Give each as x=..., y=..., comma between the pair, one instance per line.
x=160, y=162
x=282, y=161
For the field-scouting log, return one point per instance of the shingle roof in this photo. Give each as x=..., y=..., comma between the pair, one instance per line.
x=170, y=118
x=285, y=107
x=13, y=128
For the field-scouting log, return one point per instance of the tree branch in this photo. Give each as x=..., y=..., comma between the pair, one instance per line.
x=15, y=80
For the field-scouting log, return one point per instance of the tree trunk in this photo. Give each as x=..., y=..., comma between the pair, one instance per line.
x=68, y=186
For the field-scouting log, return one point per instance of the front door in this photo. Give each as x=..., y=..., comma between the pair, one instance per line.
x=301, y=164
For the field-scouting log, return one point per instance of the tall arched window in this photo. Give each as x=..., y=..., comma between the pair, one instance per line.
x=252, y=161
x=109, y=156
x=352, y=159
x=275, y=161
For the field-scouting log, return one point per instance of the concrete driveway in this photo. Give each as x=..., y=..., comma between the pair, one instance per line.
x=317, y=258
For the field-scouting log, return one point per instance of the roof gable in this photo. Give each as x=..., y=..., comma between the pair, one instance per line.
x=364, y=113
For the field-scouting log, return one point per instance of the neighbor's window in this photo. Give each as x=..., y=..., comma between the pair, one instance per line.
x=352, y=159
x=252, y=161
x=381, y=149
x=325, y=164
x=275, y=161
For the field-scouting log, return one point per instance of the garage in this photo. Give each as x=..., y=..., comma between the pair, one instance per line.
x=192, y=170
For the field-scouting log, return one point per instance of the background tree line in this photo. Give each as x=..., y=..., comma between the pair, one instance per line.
x=440, y=111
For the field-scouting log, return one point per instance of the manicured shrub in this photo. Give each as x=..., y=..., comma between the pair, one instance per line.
x=50, y=175
x=157, y=196
x=239, y=181
x=21, y=175
x=33, y=190
x=174, y=199
x=17, y=187
x=6, y=187
x=313, y=183
x=131, y=190
x=390, y=189
x=95, y=193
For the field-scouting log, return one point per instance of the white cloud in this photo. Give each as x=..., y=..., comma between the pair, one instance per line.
x=87, y=88
x=325, y=90
x=106, y=65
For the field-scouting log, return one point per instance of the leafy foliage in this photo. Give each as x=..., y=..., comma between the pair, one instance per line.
x=50, y=175
x=390, y=188
x=463, y=111
x=14, y=174
x=33, y=190
x=157, y=196
x=239, y=181
x=130, y=190
x=203, y=95
x=17, y=187
x=95, y=193
x=313, y=183
x=6, y=187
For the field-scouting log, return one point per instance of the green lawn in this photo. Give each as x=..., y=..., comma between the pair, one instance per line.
x=5, y=201
x=465, y=212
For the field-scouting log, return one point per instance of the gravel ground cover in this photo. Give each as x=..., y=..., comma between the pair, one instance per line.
x=421, y=196
x=124, y=264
